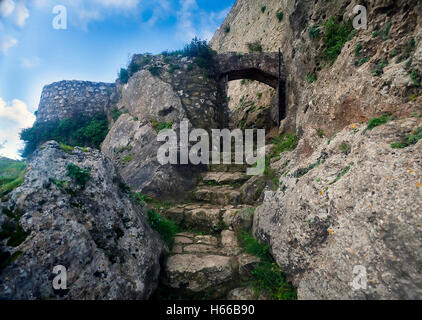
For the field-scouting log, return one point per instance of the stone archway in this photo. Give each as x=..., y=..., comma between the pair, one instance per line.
x=267, y=68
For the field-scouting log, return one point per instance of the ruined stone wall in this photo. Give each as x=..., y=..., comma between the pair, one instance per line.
x=66, y=99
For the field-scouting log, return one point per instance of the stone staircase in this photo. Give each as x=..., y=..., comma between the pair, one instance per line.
x=206, y=262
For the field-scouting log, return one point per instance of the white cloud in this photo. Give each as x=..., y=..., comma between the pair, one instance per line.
x=7, y=43
x=192, y=21
x=21, y=13
x=128, y=4
x=30, y=62
x=14, y=117
x=6, y=7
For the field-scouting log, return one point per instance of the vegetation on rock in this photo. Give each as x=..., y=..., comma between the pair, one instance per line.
x=11, y=175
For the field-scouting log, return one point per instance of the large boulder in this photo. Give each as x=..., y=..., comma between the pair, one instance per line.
x=165, y=91
x=89, y=226
x=351, y=211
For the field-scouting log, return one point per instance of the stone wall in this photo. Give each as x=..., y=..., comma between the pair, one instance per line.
x=66, y=99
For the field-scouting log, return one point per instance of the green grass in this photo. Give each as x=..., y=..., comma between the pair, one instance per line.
x=165, y=227
x=320, y=133
x=336, y=35
x=310, y=77
x=362, y=61
x=358, y=48
x=255, y=46
x=378, y=70
x=266, y=277
x=341, y=174
x=126, y=159
x=375, y=122
x=416, y=77
x=79, y=175
x=66, y=148
x=159, y=126
x=11, y=175
x=345, y=148
x=314, y=31
x=409, y=140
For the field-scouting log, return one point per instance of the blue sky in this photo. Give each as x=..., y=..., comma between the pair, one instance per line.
x=99, y=39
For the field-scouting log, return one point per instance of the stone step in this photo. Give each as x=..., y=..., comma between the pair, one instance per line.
x=227, y=167
x=224, y=178
x=221, y=195
x=205, y=263
x=210, y=218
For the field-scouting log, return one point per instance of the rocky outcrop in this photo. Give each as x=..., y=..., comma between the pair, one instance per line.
x=355, y=201
x=81, y=220
x=344, y=92
x=68, y=99
x=166, y=90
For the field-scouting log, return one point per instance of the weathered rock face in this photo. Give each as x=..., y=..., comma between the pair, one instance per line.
x=133, y=146
x=95, y=231
x=66, y=99
x=178, y=90
x=355, y=201
x=345, y=92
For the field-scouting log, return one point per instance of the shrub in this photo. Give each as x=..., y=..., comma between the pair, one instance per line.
x=362, y=61
x=79, y=175
x=416, y=77
x=255, y=46
x=165, y=227
x=123, y=76
x=115, y=113
x=200, y=51
x=378, y=70
x=336, y=35
x=375, y=122
x=79, y=131
x=173, y=68
x=320, y=133
x=263, y=8
x=133, y=67
x=227, y=29
x=345, y=148
x=411, y=139
x=314, y=31
x=155, y=70
x=280, y=16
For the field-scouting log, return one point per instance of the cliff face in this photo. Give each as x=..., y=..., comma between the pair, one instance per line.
x=346, y=91
x=67, y=99
x=348, y=197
